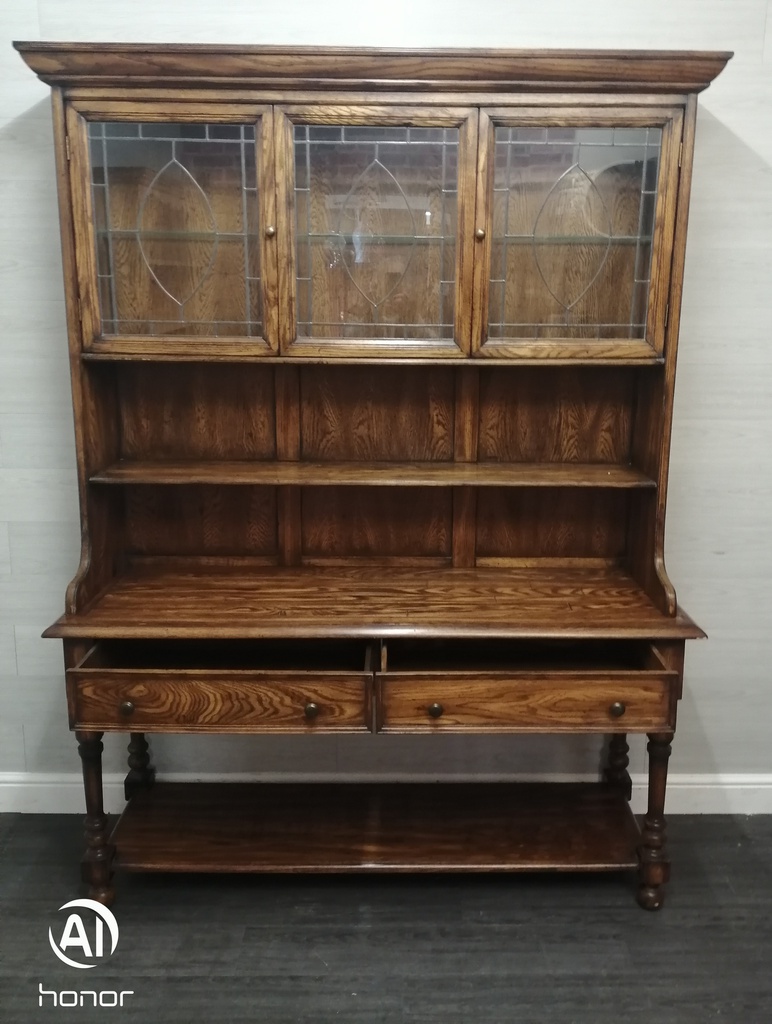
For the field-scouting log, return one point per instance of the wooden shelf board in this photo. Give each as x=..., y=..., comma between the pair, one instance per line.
x=214, y=351
x=154, y=601
x=379, y=827
x=506, y=350
x=387, y=474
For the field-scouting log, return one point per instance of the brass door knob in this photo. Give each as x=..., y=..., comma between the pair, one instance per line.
x=617, y=709
x=436, y=709
x=270, y=231
x=126, y=708
x=479, y=234
x=311, y=710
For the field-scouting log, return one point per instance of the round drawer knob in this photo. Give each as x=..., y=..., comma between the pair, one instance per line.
x=617, y=709
x=479, y=234
x=436, y=709
x=126, y=708
x=311, y=710
x=270, y=231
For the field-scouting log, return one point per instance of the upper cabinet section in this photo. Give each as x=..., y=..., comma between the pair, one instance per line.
x=336, y=204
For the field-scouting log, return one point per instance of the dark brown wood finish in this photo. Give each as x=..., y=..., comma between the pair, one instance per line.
x=616, y=772
x=97, y=860
x=655, y=863
x=141, y=774
x=362, y=69
x=257, y=702
x=401, y=827
x=250, y=499
x=502, y=702
x=373, y=600
x=365, y=473
x=526, y=282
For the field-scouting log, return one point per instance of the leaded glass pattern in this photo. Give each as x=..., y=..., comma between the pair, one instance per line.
x=573, y=220
x=176, y=225
x=376, y=220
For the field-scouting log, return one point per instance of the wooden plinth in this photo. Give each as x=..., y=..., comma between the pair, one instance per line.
x=379, y=827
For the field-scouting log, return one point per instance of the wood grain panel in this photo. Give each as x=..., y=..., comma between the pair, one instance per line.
x=556, y=414
x=560, y=522
x=338, y=521
x=336, y=828
x=233, y=702
x=383, y=413
x=156, y=602
x=506, y=702
x=102, y=543
x=196, y=411
x=203, y=520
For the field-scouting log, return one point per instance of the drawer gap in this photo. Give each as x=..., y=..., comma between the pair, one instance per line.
x=170, y=655
x=522, y=656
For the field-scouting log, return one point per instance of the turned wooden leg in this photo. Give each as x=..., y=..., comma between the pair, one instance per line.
x=654, y=869
x=141, y=774
x=618, y=761
x=97, y=860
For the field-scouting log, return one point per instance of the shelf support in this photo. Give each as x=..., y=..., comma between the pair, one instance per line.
x=616, y=773
x=141, y=773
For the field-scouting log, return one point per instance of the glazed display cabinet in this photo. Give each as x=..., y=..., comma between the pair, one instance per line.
x=373, y=356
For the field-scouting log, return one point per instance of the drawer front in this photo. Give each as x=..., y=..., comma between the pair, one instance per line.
x=423, y=702
x=233, y=702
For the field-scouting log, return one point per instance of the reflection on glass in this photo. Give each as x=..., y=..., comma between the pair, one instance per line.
x=573, y=217
x=176, y=222
x=375, y=231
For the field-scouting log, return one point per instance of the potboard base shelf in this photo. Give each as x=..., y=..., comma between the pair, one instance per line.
x=224, y=827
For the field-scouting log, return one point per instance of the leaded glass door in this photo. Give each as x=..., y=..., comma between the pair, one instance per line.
x=574, y=212
x=179, y=218
x=379, y=207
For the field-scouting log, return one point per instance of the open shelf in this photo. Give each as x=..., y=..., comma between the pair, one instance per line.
x=386, y=474
x=154, y=601
x=376, y=827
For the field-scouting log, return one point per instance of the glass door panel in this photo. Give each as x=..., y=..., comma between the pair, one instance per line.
x=376, y=212
x=178, y=224
x=572, y=219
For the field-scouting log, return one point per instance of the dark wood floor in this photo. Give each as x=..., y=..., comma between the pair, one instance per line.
x=466, y=949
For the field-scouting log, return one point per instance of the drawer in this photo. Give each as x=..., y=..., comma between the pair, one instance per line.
x=233, y=688
x=516, y=689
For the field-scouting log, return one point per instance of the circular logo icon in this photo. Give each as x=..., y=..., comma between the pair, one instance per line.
x=75, y=934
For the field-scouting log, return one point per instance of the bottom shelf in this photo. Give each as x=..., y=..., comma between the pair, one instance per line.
x=235, y=827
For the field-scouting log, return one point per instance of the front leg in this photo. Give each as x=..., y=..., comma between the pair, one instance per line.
x=97, y=861
x=654, y=869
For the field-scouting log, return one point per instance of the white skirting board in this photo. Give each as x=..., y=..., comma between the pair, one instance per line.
x=686, y=794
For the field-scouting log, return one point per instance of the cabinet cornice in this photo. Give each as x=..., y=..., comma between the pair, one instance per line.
x=116, y=64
